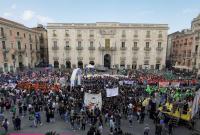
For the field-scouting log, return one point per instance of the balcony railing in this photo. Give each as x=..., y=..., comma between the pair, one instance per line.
x=6, y=59
x=159, y=49
x=18, y=37
x=32, y=51
x=107, y=48
x=147, y=48
x=91, y=58
x=68, y=48
x=55, y=58
x=3, y=36
x=146, y=57
x=79, y=48
x=123, y=48
x=79, y=58
x=135, y=48
x=6, y=50
x=135, y=58
x=21, y=50
x=31, y=40
x=123, y=58
x=55, y=47
x=91, y=48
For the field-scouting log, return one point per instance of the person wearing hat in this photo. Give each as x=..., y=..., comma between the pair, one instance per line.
x=146, y=129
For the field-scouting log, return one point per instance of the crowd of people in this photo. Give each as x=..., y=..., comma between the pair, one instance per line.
x=68, y=102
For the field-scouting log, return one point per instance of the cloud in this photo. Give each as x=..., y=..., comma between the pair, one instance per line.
x=13, y=6
x=7, y=14
x=28, y=15
x=43, y=19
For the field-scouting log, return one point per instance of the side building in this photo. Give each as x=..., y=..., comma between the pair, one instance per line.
x=19, y=46
x=110, y=44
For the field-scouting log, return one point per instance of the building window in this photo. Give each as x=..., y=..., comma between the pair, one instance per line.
x=159, y=44
x=55, y=43
x=67, y=33
x=123, y=44
x=147, y=44
x=67, y=43
x=31, y=47
x=146, y=62
x=123, y=33
x=148, y=34
x=17, y=33
x=10, y=32
x=25, y=46
x=54, y=33
x=79, y=43
x=135, y=33
x=91, y=33
x=2, y=32
x=160, y=34
x=79, y=34
x=24, y=35
x=3, y=45
x=91, y=43
x=19, y=45
x=30, y=38
x=135, y=44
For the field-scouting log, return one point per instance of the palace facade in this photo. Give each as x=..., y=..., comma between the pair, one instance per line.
x=109, y=44
x=19, y=46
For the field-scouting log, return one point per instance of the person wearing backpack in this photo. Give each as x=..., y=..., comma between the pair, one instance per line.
x=5, y=125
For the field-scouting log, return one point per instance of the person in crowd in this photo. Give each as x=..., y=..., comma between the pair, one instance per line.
x=18, y=123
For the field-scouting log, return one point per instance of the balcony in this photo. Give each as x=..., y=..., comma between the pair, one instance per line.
x=68, y=48
x=55, y=58
x=122, y=58
x=21, y=50
x=55, y=47
x=147, y=48
x=158, y=58
x=91, y=48
x=123, y=48
x=79, y=58
x=2, y=37
x=38, y=51
x=107, y=48
x=31, y=40
x=6, y=59
x=32, y=51
x=159, y=49
x=18, y=38
x=91, y=58
x=146, y=57
x=79, y=48
x=5, y=50
x=135, y=48
x=135, y=58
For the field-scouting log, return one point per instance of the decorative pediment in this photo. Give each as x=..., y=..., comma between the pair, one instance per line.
x=107, y=32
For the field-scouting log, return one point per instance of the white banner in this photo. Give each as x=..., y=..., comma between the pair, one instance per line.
x=175, y=84
x=112, y=92
x=195, y=105
x=128, y=82
x=92, y=100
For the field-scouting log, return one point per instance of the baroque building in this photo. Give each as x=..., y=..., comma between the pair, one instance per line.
x=110, y=44
x=19, y=46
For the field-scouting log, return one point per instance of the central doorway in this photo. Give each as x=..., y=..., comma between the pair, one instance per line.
x=107, y=60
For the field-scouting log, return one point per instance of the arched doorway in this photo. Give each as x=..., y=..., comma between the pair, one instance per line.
x=80, y=64
x=56, y=64
x=68, y=64
x=91, y=62
x=107, y=60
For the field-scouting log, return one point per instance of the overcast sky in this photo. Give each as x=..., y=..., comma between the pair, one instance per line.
x=177, y=13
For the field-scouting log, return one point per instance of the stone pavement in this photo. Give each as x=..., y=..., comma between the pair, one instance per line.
x=61, y=127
